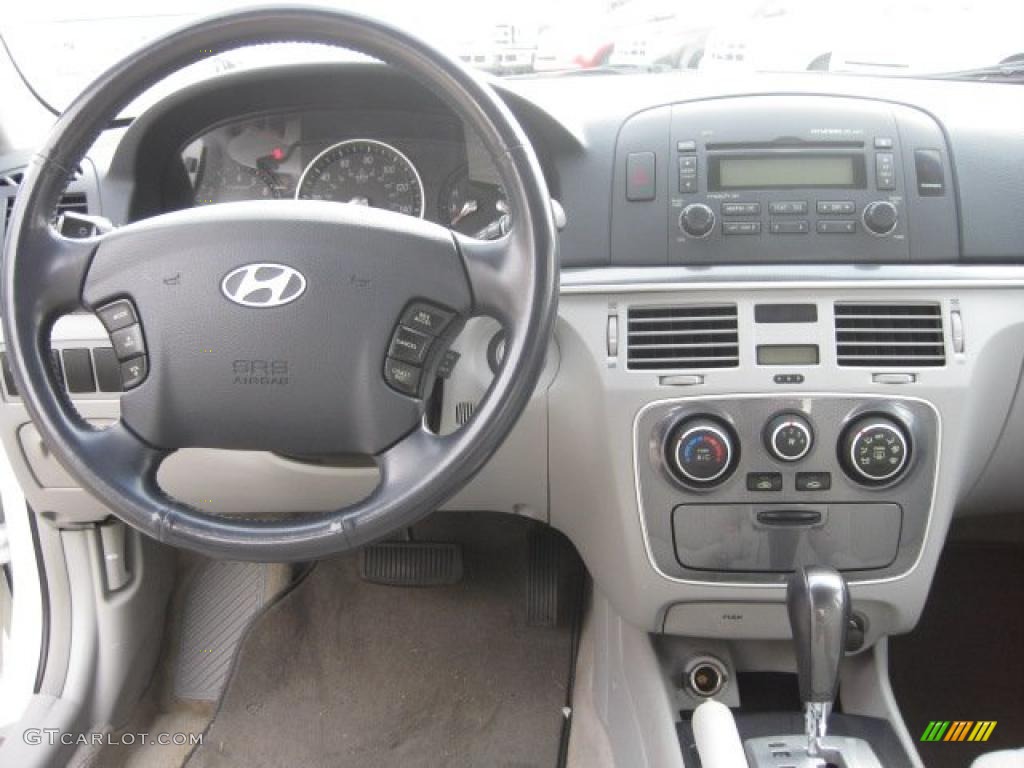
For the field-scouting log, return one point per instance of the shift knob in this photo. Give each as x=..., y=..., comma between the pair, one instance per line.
x=819, y=612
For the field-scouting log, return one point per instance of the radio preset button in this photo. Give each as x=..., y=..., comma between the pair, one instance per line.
x=741, y=209
x=788, y=207
x=837, y=227
x=791, y=227
x=837, y=207
x=741, y=228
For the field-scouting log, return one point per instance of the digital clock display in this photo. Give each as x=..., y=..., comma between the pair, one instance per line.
x=787, y=354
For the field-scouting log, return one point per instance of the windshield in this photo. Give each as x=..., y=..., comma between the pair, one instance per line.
x=60, y=46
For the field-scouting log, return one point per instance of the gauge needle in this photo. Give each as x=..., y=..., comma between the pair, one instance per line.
x=359, y=200
x=468, y=207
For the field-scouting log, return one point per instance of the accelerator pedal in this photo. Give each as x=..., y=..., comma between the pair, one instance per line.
x=552, y=578
x=412, y=563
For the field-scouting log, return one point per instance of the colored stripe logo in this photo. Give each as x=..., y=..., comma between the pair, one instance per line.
x=958, y=730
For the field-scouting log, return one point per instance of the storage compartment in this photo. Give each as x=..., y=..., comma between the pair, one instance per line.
x=774, y=538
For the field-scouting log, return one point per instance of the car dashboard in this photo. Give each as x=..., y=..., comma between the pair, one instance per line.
x=838, y=258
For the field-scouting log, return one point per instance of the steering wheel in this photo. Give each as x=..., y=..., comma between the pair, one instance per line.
x=267, y=325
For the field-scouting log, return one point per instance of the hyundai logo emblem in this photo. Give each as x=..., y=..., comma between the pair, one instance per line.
x=263, y=285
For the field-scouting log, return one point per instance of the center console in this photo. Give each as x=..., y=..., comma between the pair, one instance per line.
x=748, y=488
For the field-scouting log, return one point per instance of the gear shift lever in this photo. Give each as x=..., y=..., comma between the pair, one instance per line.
x=819, y=610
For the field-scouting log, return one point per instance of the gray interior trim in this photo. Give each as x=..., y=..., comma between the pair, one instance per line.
x=784, y=276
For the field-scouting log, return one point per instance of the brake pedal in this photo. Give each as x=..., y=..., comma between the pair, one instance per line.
x=411, y=563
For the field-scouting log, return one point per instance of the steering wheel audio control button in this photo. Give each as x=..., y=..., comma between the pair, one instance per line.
x=117, y=315
x=409, y=345
x=134, y=372
x=128, y=342
x=427, y=318
x=402, y=376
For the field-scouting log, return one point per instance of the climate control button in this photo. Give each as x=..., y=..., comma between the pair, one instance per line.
x=788, y=437
x=875, y=450
x=701, y=451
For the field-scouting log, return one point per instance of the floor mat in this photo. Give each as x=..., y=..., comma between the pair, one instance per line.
x=964, y=661
x=342, y=672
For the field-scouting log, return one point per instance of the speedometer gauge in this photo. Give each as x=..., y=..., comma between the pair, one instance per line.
x=364, y=172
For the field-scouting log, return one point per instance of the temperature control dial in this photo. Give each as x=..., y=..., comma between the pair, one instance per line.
x=701, y=451
x=789, y=437
x=875, y=449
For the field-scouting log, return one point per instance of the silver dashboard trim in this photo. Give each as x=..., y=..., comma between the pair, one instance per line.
x=747, y=584
x=783, y=277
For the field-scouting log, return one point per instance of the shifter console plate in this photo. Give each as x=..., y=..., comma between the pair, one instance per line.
x=791, y=752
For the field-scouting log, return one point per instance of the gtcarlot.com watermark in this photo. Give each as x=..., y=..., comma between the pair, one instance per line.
x=54, y=736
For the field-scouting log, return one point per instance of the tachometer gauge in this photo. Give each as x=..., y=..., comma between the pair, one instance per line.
x=238, y=183
x=364, y=172
x=474, y=208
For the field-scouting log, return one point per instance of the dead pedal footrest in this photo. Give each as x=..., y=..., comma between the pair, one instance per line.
x=411, y=563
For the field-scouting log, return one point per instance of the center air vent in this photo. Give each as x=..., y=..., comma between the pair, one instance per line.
x=889, y=335
x=686, y=337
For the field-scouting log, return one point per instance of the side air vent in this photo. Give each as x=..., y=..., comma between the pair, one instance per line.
x=70, y=202
x=682, y=337
x=879, y=335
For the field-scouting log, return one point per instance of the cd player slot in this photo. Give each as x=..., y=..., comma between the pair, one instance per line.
x=782, y=143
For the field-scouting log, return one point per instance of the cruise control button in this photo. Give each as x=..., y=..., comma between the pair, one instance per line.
x=764, y=481
x=128, y=342
x=117, y=315
x=409, y=345
x=133, y=372
x=427, y=318
x=813, y=481
x=402, y=376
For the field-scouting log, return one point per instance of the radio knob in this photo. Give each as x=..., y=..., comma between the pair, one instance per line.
x=880, y=217
x=697, y=220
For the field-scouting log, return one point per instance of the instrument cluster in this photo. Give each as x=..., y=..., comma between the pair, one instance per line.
x=387, y=160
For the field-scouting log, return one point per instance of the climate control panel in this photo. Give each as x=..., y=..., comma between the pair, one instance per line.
x=759, y=485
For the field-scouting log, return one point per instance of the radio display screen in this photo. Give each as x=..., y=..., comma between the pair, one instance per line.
x=786, y=171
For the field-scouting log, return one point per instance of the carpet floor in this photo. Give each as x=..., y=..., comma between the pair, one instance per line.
x=342, y=672
x=965, y=659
